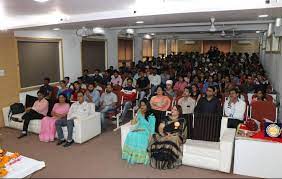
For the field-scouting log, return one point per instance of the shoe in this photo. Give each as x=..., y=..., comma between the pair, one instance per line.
x=22, y=135
x=68, y=143
x=61, y=142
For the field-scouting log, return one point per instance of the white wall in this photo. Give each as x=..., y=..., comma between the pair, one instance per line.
x=272, y=63
x=71, y=48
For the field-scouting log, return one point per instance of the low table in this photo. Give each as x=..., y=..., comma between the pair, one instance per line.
x=257, y=158
x=23, y=167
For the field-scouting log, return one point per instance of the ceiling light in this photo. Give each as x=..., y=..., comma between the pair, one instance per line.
x=147, y=36
x=56, y=29
x=153, y=34
x=98, y=30
x=41, y=1
x=130, y=31
x=257, y=31
x=278, y=22
x=263, y=15
x=139, y=22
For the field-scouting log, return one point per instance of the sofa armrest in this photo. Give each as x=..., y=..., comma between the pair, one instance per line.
x=226, y=149
x=124, y=129
x=5, y=112
x=87, y=128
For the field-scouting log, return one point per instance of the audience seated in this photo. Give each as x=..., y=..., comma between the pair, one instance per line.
x=46, y=88
x=116, y=79
x=209, y=103
x=142, y=85
x=166, y=148
x=234, y=107
x=64, y=90
x=137, y=141
x=59, y=111
x=77, y=110
x=155, y=80
x=180, y=85
x=108, y=103
x=186, y=102
x=76, y=88
x=129, y=96
x=36, y=112
x=92, y=95
x=67, y=80
x=169, y=89
x=160, y=104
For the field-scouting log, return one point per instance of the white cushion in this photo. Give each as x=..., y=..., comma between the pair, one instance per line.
x=202, y=148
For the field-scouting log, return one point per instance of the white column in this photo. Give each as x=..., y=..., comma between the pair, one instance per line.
x=168, y=46
x=155, y=47
x=138, y=49
x=112, y=49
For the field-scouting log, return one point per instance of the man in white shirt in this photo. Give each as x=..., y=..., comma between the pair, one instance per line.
x=234, y=107
x=79, y=109
x=155, y=81
x=186, y=102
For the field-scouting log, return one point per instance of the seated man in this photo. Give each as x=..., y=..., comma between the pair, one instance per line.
x=37, y=111
x=79, y=109
x=234, y=107
x=142, y=85
x=116, y=79
x=209, y=103
x=186, y=102
x=129, y=97
x=155, y=81
x=46, y=88
x=92, y=95
x=108, y=103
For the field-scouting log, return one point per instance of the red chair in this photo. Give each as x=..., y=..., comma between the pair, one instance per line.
x=263, y=109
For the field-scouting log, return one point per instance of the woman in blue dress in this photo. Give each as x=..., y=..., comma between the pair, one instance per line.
x=137, y=141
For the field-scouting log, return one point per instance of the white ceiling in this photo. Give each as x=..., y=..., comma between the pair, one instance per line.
x=16, y=14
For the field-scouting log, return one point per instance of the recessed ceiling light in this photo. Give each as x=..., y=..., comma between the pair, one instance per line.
x=56, y=29
x=153, y=34
x=263, y=15
x=257, y=31
x=41, y=1
x=139, y=22
x=147, y=36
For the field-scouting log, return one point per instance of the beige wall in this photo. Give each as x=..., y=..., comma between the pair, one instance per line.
x=253, y=47
x=9, y=87
x=182, y=47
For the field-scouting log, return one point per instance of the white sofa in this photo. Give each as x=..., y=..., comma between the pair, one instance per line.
x=84, y=129
x=211, y=155
x=204, y=154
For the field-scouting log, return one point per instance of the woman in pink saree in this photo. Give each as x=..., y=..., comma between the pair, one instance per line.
x=59, y=111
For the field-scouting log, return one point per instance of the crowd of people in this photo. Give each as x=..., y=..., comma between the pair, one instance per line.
x=183, y=83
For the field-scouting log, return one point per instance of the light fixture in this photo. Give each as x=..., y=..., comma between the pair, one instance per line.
x=153, y=34
x=130, y=31
x=41, y=1
x=263, y=15
x=147, y=36
x=257, y=31
x=56, y=29
x=98, y=30
x=139, y=22
x=270, y=30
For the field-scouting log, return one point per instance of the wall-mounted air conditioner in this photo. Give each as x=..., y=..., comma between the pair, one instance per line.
x=189, y=42
x=244, y=42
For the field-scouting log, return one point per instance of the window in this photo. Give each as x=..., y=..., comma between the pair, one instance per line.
x=147, y=48
x=125, y=51
x=93, y=55
x=39, y=59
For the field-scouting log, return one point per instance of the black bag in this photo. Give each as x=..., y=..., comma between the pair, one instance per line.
x=16, y=108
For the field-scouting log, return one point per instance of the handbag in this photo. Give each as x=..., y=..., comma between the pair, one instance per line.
x=16, y=108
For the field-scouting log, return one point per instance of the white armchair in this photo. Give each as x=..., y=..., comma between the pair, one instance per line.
x=84, y=128
x=124, y=129
x=211, y=155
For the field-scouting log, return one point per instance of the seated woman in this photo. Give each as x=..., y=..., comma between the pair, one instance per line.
x=196, y=95
x=160, y=104
x=64, y=90
x=166, y=148
x=137, y=141
x=48, y=129
x=180, y=85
